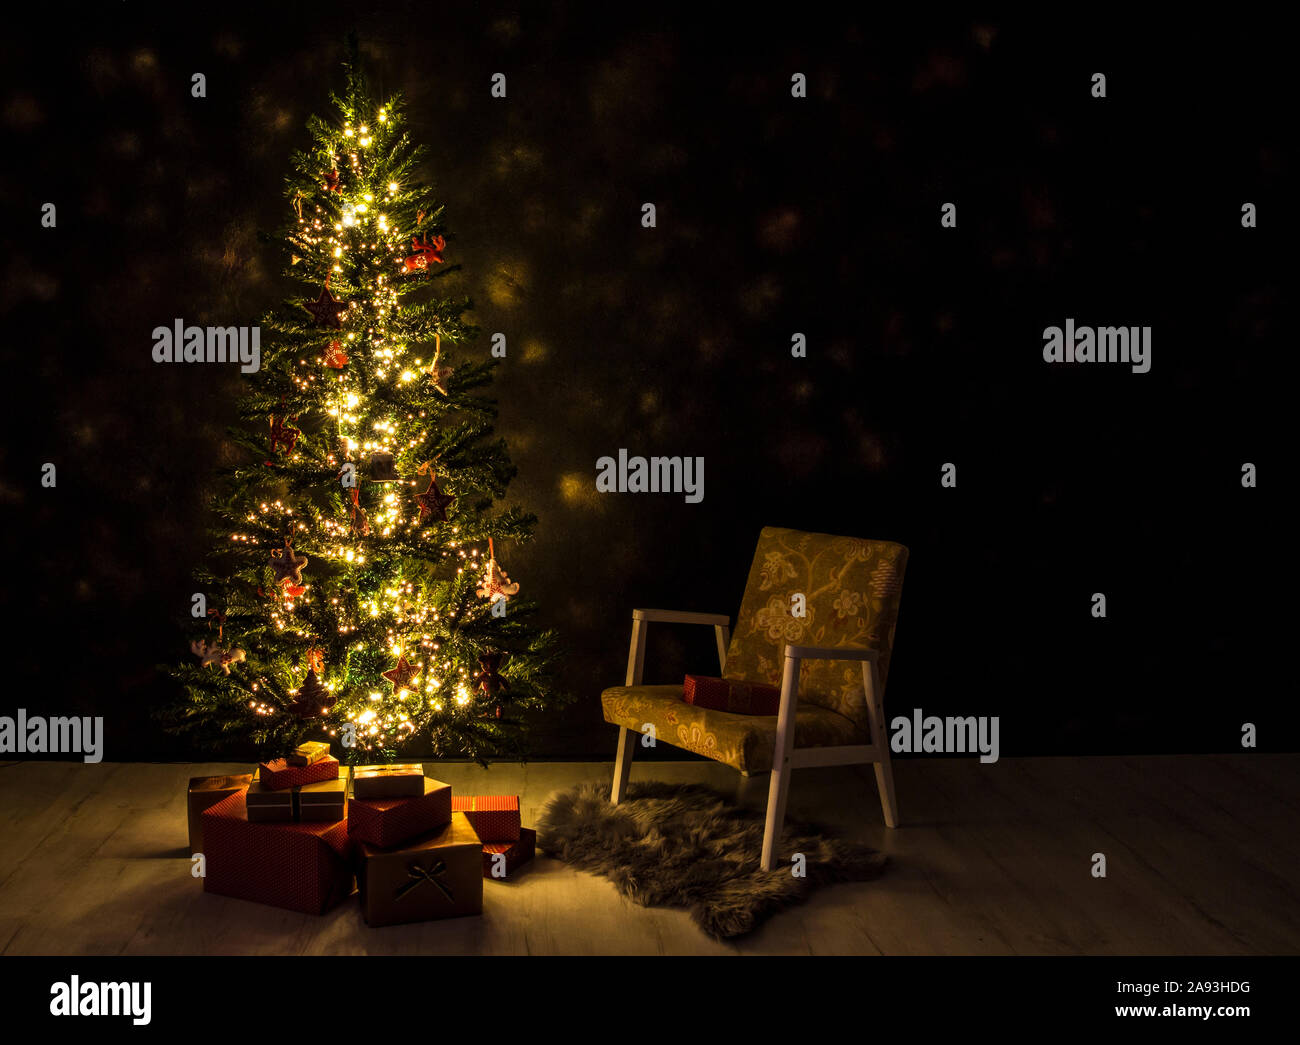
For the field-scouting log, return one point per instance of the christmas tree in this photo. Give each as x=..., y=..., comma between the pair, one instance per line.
x=354, y=590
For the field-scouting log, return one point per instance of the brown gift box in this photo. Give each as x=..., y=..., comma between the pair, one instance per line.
x=265, y=804
x=205, y=792
x=406, y=781
x=438, y=875
x=325, y=801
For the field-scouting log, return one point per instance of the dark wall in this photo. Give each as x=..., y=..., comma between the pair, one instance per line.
x=775, y=215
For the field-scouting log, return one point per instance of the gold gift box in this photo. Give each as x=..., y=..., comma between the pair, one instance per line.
x=325, y=800
x=266, y=805
x=404, y=781
x=308, y=753
x=205, y=792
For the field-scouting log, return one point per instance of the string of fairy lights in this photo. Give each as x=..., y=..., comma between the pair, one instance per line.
x=350, y=234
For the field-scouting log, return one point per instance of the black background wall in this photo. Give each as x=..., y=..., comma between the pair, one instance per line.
x=776, y=215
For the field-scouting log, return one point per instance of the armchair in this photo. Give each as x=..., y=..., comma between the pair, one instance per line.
x=813, y=604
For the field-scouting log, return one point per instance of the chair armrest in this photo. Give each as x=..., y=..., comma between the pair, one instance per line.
x=680, y=617
x=831, y=653
x=720, y=623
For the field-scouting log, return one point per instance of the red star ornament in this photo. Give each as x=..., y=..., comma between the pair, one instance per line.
x=326, y=309
x=403, y=675
x=433, y=502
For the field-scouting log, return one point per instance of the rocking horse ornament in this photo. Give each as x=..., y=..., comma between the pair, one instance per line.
x=496, y=582
x=424, y=252
x=213, y=653
x=438, y=374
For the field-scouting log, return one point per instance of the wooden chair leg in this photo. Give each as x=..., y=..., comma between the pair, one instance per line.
x=779, y=789
x=622, y=764
x=626, y=738
x=885, y=783
x=777, y=793
x=884, y=768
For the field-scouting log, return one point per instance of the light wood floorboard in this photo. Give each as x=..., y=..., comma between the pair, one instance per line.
x=1202, y=857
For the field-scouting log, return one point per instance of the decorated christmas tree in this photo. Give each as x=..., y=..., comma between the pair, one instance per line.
x=357, y=587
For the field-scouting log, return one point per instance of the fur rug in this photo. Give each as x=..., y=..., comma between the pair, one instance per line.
x=685, y=845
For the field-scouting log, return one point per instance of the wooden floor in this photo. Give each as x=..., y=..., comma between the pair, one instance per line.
x=1203, y=857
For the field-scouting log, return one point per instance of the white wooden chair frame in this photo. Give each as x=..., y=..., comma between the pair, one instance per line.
x=786, y=757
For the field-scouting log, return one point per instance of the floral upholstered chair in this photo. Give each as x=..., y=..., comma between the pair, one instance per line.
x=818, y=619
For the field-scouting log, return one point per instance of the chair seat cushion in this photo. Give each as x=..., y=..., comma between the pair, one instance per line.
x=744, y=742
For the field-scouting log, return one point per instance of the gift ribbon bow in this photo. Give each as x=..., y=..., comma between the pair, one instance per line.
x=419, y=874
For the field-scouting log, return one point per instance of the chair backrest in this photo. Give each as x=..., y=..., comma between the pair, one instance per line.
x=851, y=590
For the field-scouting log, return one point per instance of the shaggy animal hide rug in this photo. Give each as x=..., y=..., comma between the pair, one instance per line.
x=685, y=845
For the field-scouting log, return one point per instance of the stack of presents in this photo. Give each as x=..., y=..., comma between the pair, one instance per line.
x=299, y=832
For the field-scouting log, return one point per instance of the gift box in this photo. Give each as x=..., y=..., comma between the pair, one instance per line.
x=387, y=822
x=437, y=875
x=299, y=866
x=267, y=804
x=516, y=854
x=494, y=817
x=324, y=801
x=740, y=698
x=388, y=781
x=279, y=775
x=308, y=753
x=205, y=792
